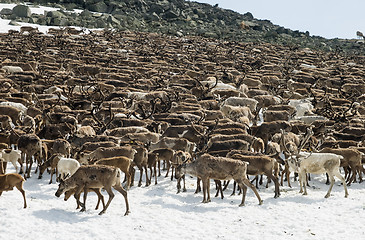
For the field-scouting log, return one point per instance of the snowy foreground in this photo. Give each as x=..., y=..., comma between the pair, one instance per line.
x=157, y=212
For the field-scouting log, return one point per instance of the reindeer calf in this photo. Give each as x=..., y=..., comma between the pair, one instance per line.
x=11, y=180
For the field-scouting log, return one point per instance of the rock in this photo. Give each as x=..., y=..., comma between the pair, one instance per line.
x=100, y=23
x=86, y=13
x=113, y=20
x=98, y=7
x=155, y=17
x=171, y=14
x=14, y=23
x=21, y=11
x=55, y=14
x=33, y=20
x=159, y=7
x=59, y=21
x=248, y=16
x=70, y=6
x=42, y=21
x=6, y=11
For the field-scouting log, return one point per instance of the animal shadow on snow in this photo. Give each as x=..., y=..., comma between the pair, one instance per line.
x=164, y=194
x=60, y=215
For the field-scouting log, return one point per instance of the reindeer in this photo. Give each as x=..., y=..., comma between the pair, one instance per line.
x=218, y=168
x=11, y=180
x=94, y=176
x=29, y=145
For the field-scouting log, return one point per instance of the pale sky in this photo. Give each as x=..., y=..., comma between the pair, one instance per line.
x=329, y=19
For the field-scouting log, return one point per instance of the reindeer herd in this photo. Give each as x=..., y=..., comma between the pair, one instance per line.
x=89, y=106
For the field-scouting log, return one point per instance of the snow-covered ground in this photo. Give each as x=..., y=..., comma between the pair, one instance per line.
x=157, y=212
x=4, y=24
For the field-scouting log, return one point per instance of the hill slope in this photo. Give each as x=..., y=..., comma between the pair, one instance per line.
x=179, y=17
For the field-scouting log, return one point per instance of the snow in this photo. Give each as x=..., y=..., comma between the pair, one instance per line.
x=4, y=24
x=157, y=212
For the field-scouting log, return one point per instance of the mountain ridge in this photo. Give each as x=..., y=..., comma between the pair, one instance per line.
x=180, y=18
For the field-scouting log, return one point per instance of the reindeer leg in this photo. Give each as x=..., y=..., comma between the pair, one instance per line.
x=128, y=178
x=19, y=186
x=261, y=180
x=21, y=161
x=140, y=176
x=206, y=188
x=52, y=172
x=332, y=183
x=120, y=189
x=100, y=197
x=255, y=179
x=168, y=168
x=184, y=188
x=337, y=174
x=276, y=182
x=178, y=185
x=234, y=188
x=246, y=182
x=86, y=190
x=198, y=188
x=111, y=196
x=303, y=182
x=225, y=185
x=29, y=166
x=172, y=172
x=132, y=171
x=159, y=167
x=244, y=190
x=78, y=191
x=147, y=179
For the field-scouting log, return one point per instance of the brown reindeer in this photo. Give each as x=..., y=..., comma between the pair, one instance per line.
x=11, y=180
x=94, y=176
x=29, y=144
x=219, y=168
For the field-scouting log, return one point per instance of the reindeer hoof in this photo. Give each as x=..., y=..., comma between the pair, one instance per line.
x=127, y=212
x=261, y=202
x=327, y=196
x=102, y=212
x=241, y=205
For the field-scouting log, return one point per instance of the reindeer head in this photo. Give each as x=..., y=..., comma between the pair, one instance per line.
x=64, y=186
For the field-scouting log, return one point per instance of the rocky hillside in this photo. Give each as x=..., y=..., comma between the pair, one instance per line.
x=179, y=18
